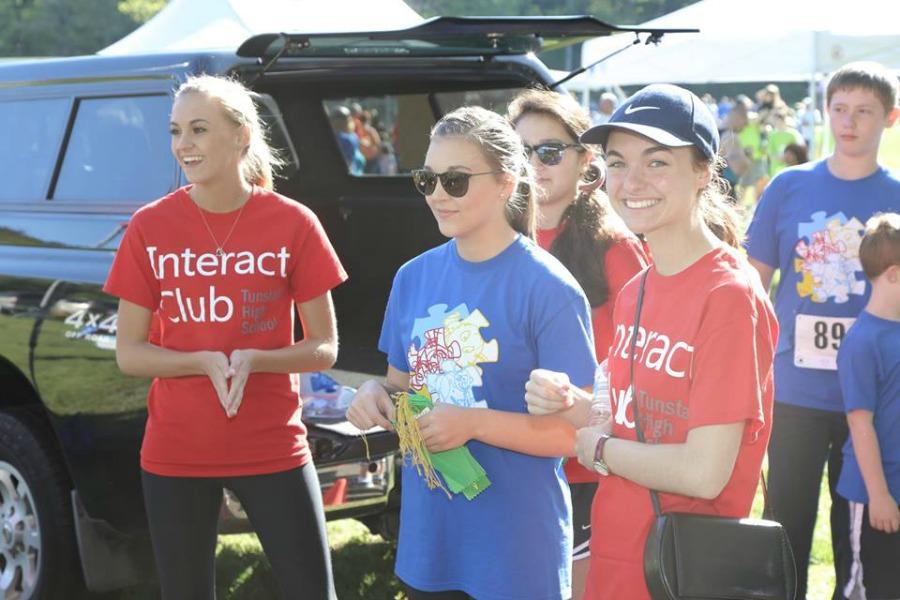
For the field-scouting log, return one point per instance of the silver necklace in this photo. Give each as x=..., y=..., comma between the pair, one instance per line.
x=220, y=248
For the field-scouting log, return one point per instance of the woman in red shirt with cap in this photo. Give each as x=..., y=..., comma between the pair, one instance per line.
x=702, y=358
x=576, y=225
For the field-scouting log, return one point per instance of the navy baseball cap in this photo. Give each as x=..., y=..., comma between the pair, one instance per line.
x=665, y=113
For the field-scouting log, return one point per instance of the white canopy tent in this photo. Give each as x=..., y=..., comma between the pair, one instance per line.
x=763, y=40
x=208, y=24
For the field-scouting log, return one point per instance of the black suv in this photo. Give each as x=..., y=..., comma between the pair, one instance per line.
x=85, y=143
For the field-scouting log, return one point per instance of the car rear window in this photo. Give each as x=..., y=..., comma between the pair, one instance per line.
x=118, y=151
x=388, y=135
x=31, y=130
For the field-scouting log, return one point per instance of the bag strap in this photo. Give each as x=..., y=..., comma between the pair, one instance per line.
x=654, y=497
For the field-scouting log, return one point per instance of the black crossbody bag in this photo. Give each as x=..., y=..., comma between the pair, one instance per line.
x=698, y=557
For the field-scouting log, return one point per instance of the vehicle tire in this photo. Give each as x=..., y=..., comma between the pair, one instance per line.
x=38, y=553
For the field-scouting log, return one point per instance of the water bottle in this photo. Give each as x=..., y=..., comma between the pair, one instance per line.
x=601, y=409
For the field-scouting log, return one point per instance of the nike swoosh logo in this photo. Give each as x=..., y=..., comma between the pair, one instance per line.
x=633, y=109
x=585, y=527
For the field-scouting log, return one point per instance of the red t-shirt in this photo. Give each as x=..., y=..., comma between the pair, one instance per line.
x=278, y=254
x=704, y=357
x=624, y=258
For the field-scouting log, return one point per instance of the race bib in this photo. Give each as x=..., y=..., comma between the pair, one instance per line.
x=817, y=339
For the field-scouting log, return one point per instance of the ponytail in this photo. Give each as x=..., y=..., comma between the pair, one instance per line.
x=258, y=162
x=260, y=159
x=582, y=245
x=520, y=208
x=718, y=212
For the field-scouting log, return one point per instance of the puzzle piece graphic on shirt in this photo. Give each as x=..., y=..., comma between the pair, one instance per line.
x=806, y=286
x=818, y=222
x=446, y=363
x=829, y=263
x=437, y=314
x=466, y=332
x=430, y=358
x=454, y=384
x=847, y=235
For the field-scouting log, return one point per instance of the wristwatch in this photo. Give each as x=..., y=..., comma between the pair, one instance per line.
x=599, y=464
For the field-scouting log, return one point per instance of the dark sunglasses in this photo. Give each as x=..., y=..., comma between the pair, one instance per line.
x=455, y=183
x=550, y=153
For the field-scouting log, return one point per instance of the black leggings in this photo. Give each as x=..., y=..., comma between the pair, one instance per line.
x=414, y=594
x=803, y=441
x=285, y=509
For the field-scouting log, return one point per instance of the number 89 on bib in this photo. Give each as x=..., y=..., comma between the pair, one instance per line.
x=817, y=339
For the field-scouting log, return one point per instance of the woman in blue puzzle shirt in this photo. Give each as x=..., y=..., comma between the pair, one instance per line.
x=465, y=324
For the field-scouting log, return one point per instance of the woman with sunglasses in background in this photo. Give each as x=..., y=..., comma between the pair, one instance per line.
x=465, y=324
x=698, y=370
x=576, y=225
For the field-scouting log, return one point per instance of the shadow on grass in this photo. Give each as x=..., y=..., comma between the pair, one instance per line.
x=363, y=569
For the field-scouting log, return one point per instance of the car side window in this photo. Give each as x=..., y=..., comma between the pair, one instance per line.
x=118, y=151
x=31, y=130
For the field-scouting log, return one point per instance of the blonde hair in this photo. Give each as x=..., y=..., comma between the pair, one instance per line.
x=260, y=159
x=503, y=148
x=880, y=246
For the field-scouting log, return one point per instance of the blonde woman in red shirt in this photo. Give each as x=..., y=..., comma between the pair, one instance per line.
x=224, y=407
x=576, y=225
x=702, y=353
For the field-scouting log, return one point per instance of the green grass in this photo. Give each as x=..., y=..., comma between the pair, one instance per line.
x=363, y=563
x=889, y=152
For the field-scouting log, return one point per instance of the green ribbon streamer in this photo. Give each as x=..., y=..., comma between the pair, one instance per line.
x=459, y=469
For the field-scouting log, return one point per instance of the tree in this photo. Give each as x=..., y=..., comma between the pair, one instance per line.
x=141, y=11
x=66, y=28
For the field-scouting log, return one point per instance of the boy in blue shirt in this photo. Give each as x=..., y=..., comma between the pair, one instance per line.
x=869, y=371
x=809, y=224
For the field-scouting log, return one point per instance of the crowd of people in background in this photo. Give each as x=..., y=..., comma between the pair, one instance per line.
x=701, y=375
x=365, y=143
x=760, y=136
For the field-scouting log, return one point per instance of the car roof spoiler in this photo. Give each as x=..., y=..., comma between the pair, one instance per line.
x=443, y=36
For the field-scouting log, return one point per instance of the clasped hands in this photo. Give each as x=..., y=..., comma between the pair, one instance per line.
x=228, y=375
x=549, y=392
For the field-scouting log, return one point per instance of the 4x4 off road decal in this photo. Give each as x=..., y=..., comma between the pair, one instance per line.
x=96, y=327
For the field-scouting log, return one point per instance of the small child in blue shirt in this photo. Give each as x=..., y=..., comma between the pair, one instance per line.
x=869, y=373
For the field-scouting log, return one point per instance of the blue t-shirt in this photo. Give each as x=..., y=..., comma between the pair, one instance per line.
x=869, y=370
x=471, y=333
x=809, y=224
x=349, y=145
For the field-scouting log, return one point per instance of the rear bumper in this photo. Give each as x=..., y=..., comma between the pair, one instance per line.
x=357, y=488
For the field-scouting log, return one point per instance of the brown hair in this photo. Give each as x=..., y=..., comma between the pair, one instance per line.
x=880, y=246
x=718, y=213
x=867, y=75
x=503, y=148
x=588, y=231
x=237, y=102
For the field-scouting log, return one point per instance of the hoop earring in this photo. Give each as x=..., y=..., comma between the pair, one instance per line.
x=592, y=173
